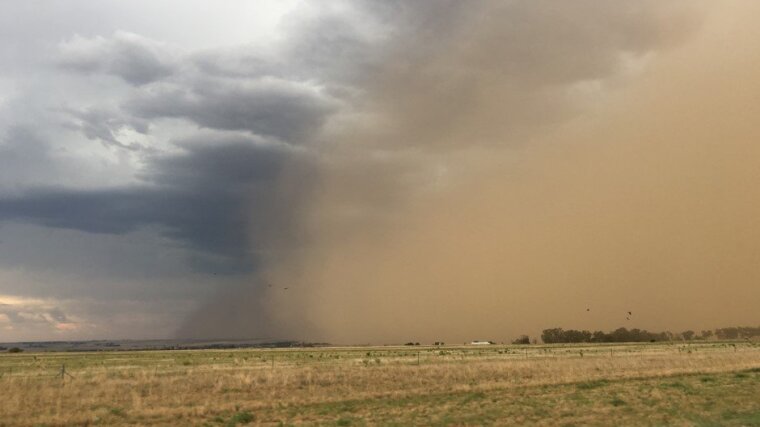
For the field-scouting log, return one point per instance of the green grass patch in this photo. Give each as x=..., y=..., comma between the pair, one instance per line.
x=242, y=417
x=748, y=418
x=117, y=412
x=588, y=385
x=678, y=385
x=470, y=397
x=618, y=402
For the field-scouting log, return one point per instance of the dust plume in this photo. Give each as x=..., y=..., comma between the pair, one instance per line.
x=509, y=165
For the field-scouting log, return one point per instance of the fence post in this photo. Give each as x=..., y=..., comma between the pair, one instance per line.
x=64, y=373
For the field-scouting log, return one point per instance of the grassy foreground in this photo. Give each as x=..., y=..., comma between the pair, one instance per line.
x=644, y=384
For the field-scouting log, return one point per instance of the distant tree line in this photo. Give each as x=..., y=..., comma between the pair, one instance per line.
x=736, y=332
x=559, y=335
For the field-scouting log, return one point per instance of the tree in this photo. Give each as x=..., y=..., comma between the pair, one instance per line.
x=599, y=336
x=620, y=335
x=687, y=335
x=524, y=339
x=553, y=335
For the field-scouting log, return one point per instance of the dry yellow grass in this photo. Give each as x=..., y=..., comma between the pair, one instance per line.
x=373, y=385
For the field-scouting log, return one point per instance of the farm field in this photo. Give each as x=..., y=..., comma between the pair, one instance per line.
x=705, y=383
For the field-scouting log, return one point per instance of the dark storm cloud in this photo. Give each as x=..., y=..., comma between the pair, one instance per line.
x=133, y=58
x=207, y=197
x=185, y=213
x=158, y=198
x=220, y=196
x=232, y=163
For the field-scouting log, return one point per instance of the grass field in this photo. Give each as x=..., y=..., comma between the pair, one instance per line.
x=641, y=384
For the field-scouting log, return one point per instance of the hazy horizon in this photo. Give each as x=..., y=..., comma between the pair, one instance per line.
x=377, y=171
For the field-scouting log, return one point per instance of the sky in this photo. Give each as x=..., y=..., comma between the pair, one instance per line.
x=376, y=171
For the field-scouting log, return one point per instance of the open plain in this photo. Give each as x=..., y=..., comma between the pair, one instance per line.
x=710, y=383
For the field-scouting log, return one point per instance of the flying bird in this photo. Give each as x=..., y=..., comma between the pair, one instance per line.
x=588, y=309
x=630, y=314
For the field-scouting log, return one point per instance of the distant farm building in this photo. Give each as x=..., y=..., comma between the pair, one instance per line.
x=482, y=343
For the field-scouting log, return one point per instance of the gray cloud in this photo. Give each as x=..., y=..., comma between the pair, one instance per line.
x=334, y=46
x=131, y=57
x=226, y=90
x=20, y=150
x=290, y=111
x=236, y=62
x=103, y=124
x=27, y=159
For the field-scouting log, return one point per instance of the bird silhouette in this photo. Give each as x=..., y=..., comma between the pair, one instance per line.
x=588, y=309
x=630, y=314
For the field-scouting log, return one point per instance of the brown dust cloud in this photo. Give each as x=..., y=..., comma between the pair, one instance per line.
x=509, y=167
